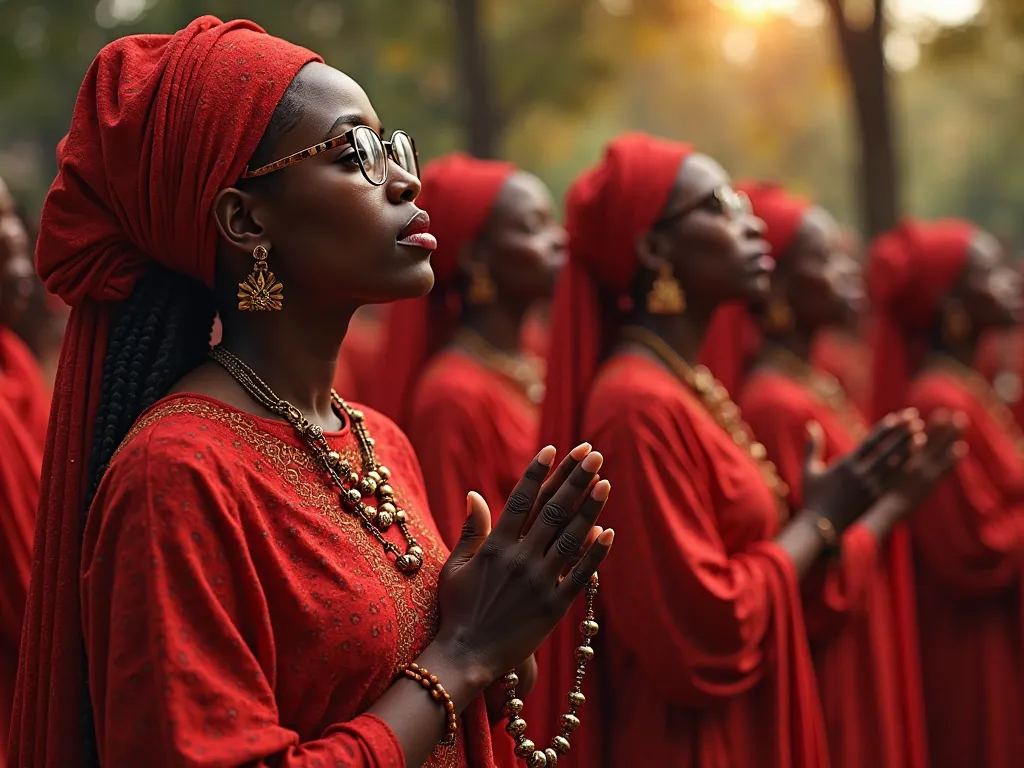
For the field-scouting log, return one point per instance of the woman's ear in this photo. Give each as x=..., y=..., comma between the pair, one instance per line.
x=650, y=250
x=237, y=221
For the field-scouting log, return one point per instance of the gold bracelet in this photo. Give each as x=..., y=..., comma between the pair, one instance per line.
x=828, y=533
x=430, y=682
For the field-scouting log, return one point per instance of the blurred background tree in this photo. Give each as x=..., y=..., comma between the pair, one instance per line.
x=766, y=86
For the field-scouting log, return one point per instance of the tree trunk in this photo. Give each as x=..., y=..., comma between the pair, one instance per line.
x=864, y=60
x=479, y=116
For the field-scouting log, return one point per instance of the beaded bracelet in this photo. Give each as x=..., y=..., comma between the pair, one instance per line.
x=415, y=672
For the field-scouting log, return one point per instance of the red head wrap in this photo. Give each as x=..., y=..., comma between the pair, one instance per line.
x=608, y=208
x=459, y=193
x=910, y=270
x=161, y=124
x=733, y=336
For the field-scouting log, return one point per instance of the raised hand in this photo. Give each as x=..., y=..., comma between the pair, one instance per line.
x=927, y=467
x=502, y=592
x=843, y=491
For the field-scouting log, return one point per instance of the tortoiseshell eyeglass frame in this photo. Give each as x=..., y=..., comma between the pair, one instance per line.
x=349, y=138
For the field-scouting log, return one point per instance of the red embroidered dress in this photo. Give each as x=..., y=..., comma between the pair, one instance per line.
x=235, y=614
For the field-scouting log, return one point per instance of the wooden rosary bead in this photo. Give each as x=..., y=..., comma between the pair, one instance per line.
x=415, y=672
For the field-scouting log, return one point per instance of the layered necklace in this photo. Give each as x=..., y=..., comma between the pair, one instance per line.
x=718, y=404
x=525, y=372
x=824, y=386
x=982, y=391
x=354, y=487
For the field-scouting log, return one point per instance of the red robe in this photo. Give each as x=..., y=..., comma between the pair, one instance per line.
x=848, y=358
x=702, y=660
x=873, y=709
x=969, y=555
x=235, y=615
x=20, y=465
x=473, y=430
x=22, y=385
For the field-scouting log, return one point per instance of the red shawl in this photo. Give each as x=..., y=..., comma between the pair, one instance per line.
x=150, y=145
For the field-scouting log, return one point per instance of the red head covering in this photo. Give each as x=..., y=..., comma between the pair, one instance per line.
x=910, y=270
x=734, y=336
x=607, y=209
x=162, y=123
x=459, y=193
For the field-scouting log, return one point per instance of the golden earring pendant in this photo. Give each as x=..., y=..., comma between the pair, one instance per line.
x=261, y=291
x=482, y=290
x=666, y=296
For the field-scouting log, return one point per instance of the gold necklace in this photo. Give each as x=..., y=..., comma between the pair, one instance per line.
x=823, y=385
x=526, y=372
x=984, y=393
x=718, y=404
x=352, y=486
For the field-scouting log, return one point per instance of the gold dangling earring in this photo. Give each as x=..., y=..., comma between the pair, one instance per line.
x=261, y=292
x=666, y=296
x=482, y=290
x=956, y=324
x=780, y=316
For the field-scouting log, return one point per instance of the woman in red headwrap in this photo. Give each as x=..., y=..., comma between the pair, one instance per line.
x=460, y=382
x=259, y=581
x=706, y=660
x=859, y=626
x=936, y=288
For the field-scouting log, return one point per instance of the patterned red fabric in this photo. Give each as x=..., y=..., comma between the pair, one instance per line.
x=472, y=429
x=871, y=696
x=969, y=556
x=459, y=193
x=235, y=615
x=703, y=652
x=150, y=145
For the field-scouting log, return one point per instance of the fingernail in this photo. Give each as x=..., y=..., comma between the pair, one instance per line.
x=891, y=420
x=546, y=455
x=910, y=414
x=593, y=461
x=580, y=451
x=601, y=491
x=607, y=537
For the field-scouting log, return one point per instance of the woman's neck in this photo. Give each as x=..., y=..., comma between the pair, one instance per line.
x=684, y=332
x=497, y=324
x=296, y=358
x=797, y=343
x=963, y=352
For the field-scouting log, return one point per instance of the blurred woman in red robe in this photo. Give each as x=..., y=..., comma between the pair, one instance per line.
x=936, y=288
x=705, y=662
x=460, y=381
x=860, y=623
x=24, y=409
x=259, y=581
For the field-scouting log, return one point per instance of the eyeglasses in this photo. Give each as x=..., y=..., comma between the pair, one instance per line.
x=371, y=152
x=722, y=201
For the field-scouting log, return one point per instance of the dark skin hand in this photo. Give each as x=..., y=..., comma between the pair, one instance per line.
x=499, y=594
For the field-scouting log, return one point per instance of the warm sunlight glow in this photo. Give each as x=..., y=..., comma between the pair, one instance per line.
x=941, y=12
x=756, y=10
x=945, y=12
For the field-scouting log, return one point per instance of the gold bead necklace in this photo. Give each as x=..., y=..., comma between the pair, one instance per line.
x=352, y=486
x=718, y=404
x=525, y=748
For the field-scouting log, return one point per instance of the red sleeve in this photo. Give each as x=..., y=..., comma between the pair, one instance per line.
x=456, y=457
x=833, y=589
x=693, y=618
x=970, y=534
x=172, y=613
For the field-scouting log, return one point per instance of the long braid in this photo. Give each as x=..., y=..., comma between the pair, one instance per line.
x=161, y=333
